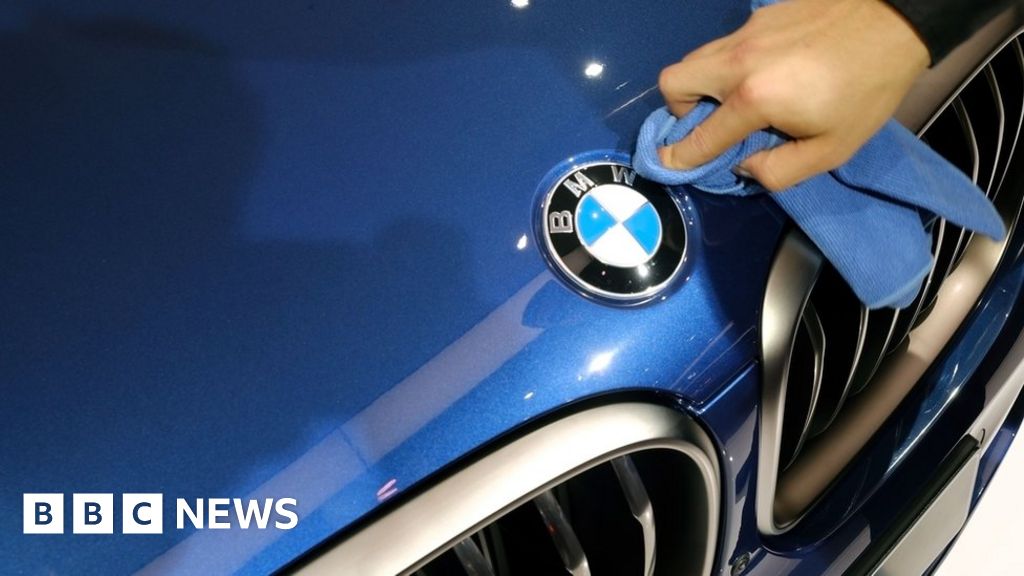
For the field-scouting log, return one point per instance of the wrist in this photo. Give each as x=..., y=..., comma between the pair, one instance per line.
x=910, y=44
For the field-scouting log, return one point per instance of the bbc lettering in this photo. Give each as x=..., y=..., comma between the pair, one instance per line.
x=143, y=513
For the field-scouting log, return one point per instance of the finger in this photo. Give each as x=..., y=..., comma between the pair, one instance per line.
x=684, y=83
x=725, y=127
x=791, y=163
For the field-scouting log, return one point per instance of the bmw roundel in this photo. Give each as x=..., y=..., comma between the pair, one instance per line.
x=613, y=233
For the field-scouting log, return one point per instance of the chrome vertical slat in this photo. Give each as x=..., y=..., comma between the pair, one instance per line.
x=816, y=334
x=931, y=284
x=881, y=324
x=472, y=560
x=989, y=186
x=955, y=242
x=997, y=97
x=827, y=417
x=562, y=534
x=949, y=253
x=972, y=141
x=639, y=505
x=1018, y=120
x=845, y=320
x=906, y=317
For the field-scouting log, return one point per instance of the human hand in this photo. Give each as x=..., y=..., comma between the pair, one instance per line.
x=828, y=73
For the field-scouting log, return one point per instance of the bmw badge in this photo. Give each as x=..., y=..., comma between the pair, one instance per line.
x=612, y=233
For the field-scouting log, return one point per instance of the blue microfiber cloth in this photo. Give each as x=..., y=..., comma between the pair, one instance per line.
x=867, y=217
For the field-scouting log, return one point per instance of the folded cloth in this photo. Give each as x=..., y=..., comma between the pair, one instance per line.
x=867, y=217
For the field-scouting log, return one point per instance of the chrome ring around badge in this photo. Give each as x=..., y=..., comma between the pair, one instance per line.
x=612, y=233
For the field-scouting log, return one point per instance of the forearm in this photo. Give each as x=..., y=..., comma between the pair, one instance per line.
x=944, y=24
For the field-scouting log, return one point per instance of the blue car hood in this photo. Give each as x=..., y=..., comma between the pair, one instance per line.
x=287, y=249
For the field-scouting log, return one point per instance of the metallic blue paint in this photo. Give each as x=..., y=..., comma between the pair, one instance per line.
x=277, y=249
x=286, y=249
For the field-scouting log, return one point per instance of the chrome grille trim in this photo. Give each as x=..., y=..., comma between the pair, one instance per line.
x=474, y=496
x=913, y=337
x=793, y=274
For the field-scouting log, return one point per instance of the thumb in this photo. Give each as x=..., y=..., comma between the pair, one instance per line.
x=791, y=163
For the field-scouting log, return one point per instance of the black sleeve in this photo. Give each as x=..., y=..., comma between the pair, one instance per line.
x=944, y=24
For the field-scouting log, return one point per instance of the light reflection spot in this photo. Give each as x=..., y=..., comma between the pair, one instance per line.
x=388, y=490
x=593, y=70
x=600, y=361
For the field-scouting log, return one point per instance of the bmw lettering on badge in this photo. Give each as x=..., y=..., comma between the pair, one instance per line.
x=612, y=233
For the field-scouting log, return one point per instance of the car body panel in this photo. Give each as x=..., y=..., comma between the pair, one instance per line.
x=289, y=249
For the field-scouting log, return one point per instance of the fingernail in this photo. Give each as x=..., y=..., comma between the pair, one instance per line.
x=665, y=154
x=741, y=171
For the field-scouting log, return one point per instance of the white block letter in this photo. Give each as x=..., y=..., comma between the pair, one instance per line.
x=196, y=517
x=92, y=513
x=43, y=514
x=253, y=510
x=142, y=513
x=282, y=510
x=218, y=509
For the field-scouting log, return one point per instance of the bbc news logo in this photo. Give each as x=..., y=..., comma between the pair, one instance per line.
x=144, y=513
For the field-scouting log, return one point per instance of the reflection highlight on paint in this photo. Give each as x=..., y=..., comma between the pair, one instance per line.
x=600, y=361
x=593, y=70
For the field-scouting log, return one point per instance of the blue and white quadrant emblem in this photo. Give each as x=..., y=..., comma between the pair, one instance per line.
x=613, y=233
x=618, y=226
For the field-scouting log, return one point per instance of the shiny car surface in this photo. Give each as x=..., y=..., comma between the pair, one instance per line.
x=291, y=250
